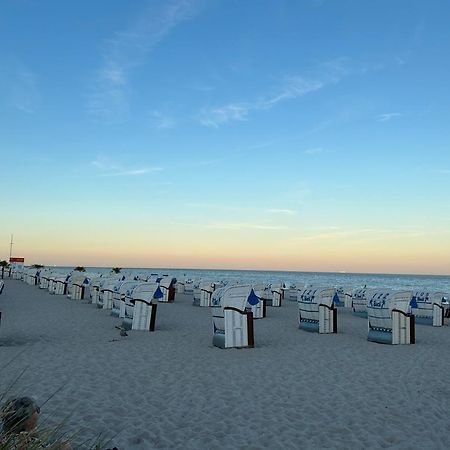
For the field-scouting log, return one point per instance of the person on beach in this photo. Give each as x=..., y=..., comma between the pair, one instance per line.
x=19, y=419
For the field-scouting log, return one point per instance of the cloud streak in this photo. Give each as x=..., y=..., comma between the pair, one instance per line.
x=126, y=51
x=386, y=117
x=291, y=87
x=108, y=168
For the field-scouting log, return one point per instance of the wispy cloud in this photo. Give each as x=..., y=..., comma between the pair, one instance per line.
x=388, y=116
x=290, y=87
x=127, y=50
x=108, y=168
x=24, y=94
x=444, y=171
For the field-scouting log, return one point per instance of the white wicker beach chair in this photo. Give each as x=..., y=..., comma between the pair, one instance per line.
x=120, y=291
x=58, y=283
x=167, y=285
x=390, y=318
x=78, y=284
x=428, y=308
x=316, y=310
x=107, y=291
x=359, y=302
x=232, y=319
x=140, y=309
x=343, y=297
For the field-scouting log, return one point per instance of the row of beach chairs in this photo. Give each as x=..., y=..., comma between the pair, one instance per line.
x=391, y=315
x=132, y=299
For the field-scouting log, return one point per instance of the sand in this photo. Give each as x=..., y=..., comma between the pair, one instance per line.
x=173, y=389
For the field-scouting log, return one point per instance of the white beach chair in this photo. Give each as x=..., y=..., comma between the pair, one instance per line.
x=232, y=319
x=58, y=284
x=189, y=287
x=167, y=285
x=107, y=291
x=277, y=290
x=428, y=308
x=343, y=297
x=316, y=310
x=120, y=291
x=43, y=278
x=2, y=286
x=390, y=319
x=77, y=285
x=359, y=302
x=265, y=296
x=293, y=292
x=140, y=309
x=179, y=287
x=94, y=288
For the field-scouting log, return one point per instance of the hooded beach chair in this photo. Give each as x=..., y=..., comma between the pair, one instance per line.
x=316, y=310
x=120, y=291
x=359, y=302
x=343, y=297
x=140, y=309
x=58, y=284
x=265, y=296
x=277, y=290
x=77, y=285
x=179, y=287
x=293, y=292
x=428, y=308
x=390, y=318
x=107, y=291
x=167, y=285
x=43, y=278
x=232, y=316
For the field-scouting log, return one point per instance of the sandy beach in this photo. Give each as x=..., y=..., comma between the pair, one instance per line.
x=173, y=389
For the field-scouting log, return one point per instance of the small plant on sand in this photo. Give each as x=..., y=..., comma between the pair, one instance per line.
x=79, y=269
x=116, y=269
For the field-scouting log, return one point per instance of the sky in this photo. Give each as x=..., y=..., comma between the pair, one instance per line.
x=305, y=135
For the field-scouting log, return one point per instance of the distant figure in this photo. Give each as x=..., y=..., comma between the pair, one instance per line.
x=19, y=418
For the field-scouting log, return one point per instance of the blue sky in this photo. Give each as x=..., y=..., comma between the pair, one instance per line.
x=302, y=135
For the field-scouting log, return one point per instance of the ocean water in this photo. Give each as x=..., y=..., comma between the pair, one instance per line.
x=350, y=280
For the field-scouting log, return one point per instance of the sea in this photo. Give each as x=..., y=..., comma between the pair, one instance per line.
x=435, y=283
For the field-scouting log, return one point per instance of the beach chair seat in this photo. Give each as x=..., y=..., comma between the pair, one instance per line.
x=390, y=319
x=277, y=290
x=359, y=302
x=167, y=285
x=316, y=310
x=140, y=306
x=232, y=320
x=428, y=308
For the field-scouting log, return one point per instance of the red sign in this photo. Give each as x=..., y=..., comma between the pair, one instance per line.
x=14, y=259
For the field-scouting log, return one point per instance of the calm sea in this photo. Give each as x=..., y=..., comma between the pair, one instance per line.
x=354, y=280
